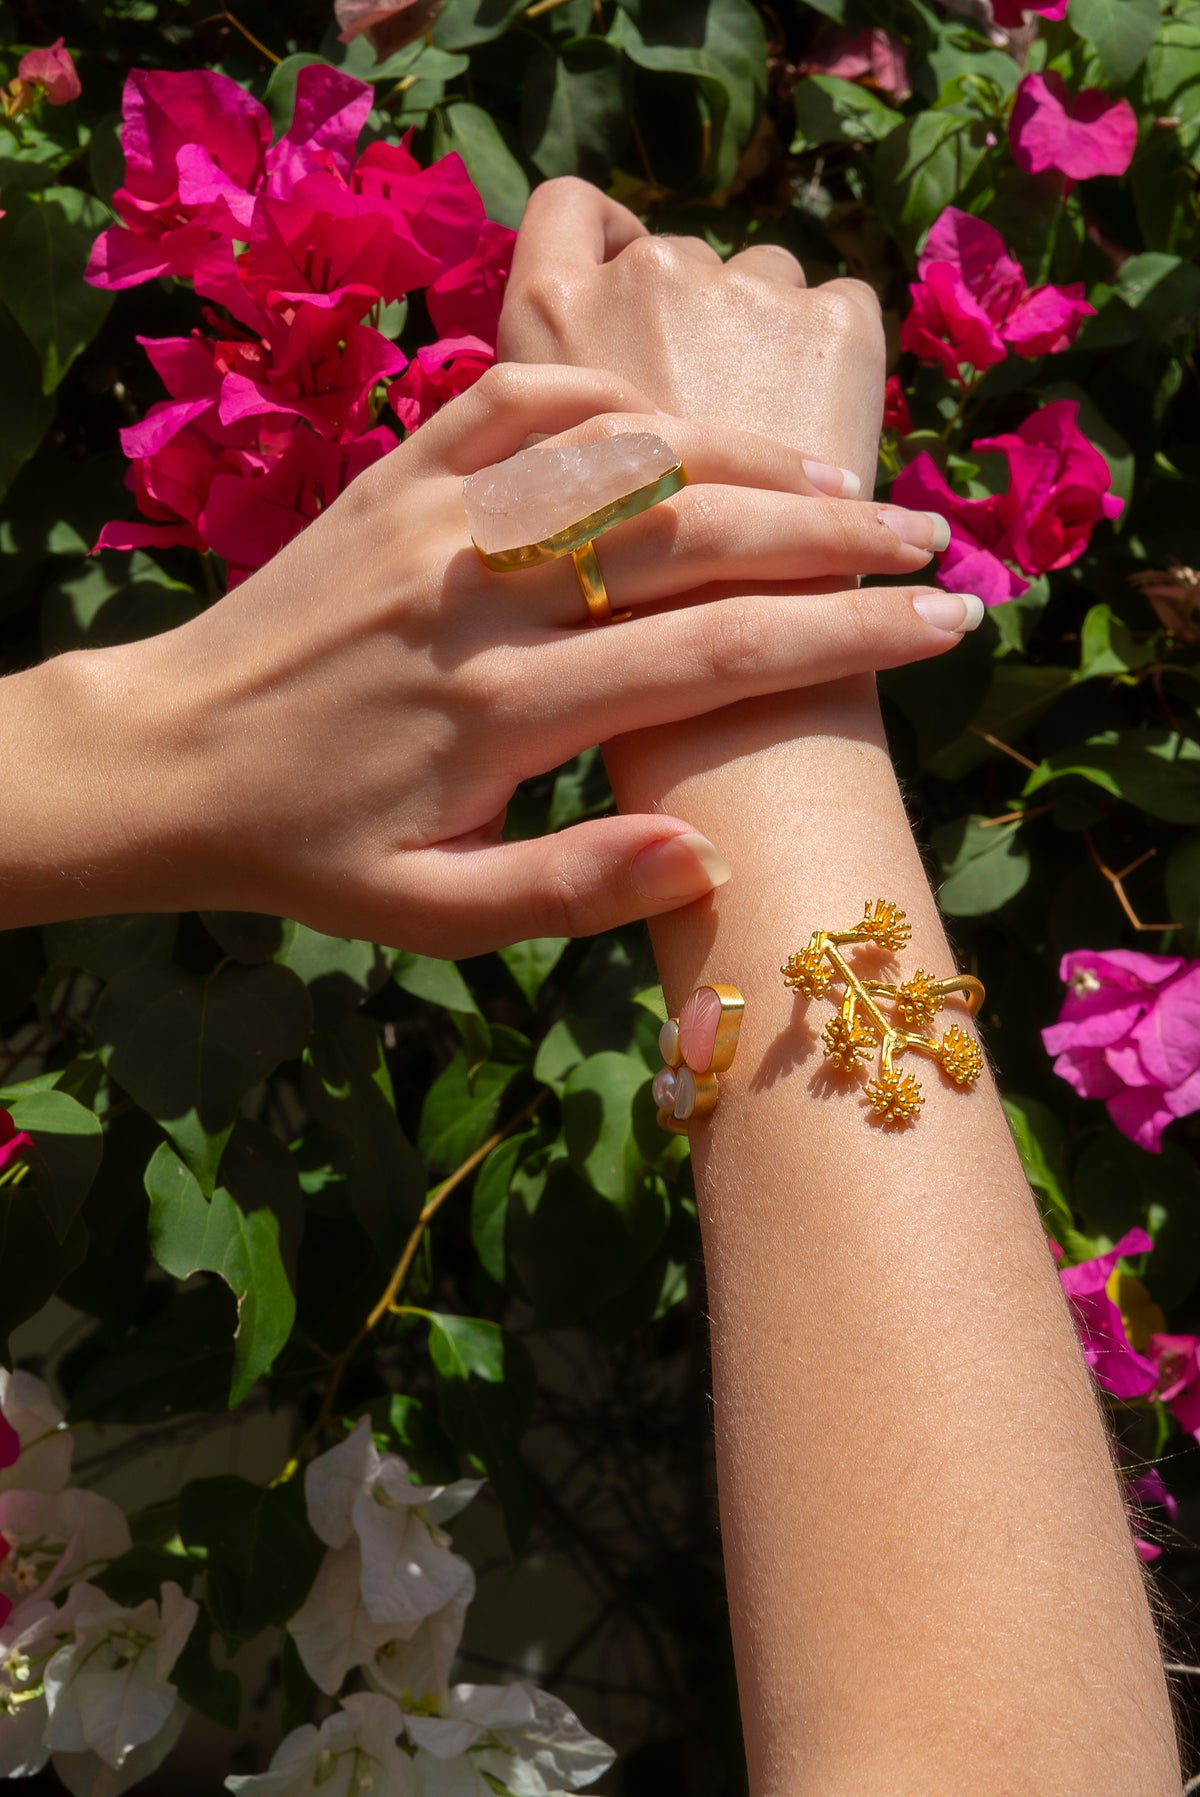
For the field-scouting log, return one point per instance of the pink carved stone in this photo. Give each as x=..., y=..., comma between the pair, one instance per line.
x=539, y=492
x=698, y=1023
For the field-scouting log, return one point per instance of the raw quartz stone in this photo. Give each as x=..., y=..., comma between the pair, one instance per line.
x=539, y=492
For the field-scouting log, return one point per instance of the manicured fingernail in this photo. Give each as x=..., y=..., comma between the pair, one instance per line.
x=920, y=530
x=680, y=867
x=950, y=611
x=839, y=483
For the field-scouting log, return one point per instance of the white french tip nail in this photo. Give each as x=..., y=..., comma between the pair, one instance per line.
x=950, y=611
x=851, y=485
x=941, y=532
x=711, y=859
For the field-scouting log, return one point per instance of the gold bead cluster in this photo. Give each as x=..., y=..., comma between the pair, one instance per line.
x=861, y=1028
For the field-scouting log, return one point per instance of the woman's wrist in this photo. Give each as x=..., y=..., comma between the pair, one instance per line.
x=106, y=808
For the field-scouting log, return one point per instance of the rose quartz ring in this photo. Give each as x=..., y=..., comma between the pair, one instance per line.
x=555, y=499
x=697, y=1045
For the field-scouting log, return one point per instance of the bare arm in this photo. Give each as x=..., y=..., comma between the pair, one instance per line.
x=931, y=1579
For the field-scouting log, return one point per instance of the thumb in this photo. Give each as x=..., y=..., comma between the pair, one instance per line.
x=591, y=877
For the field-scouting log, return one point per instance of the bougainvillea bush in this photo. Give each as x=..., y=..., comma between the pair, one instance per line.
x=310, y=1245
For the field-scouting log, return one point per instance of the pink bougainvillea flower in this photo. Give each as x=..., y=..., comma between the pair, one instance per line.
x=465, y=301
x=437, y=373
x=329, y=112
x=971, y=303
x=390, y=24
x=977, y=558
x=13, y=1141
x=53, y=72
x=10, y=1443
x=1116, y=1363
x=1084, y=135
x=440, y=207
x=249, y=521
x=1058, y=487
x=1129, y=1034
x=1178, y=1360
x=1011, y=14
x=872, y=57
x=326, y=381
x=896, y=415
x=1147, y=1489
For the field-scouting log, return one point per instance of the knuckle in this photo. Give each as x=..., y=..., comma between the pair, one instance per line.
x=567, y=897
x=503, y=384
x=736, y=646
x=864, y=621
x=650, y=257
x=705, y=527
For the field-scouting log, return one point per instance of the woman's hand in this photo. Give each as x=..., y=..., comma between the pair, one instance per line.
x=337, y=740
x=744, y=341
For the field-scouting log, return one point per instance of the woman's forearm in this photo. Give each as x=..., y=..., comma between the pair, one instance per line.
x=931, y=1577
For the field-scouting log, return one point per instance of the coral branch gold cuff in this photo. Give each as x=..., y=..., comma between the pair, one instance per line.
x=697, y=1045
x=862, y=1028
x=556, y=499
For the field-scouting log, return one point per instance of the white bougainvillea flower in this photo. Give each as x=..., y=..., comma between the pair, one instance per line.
x=334, y=1632
x=353, y=1752
x=408, y=1570
x=44, y=1463
x=415, y=1669
x=531, y=1742
x=87, y=1775
x=56, y=1538
x=29, y=1638
x=108, y=1690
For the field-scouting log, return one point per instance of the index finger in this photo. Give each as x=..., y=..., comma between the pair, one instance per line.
x=568, y=220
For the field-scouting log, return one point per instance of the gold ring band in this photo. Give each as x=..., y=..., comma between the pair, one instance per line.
x=591, y=585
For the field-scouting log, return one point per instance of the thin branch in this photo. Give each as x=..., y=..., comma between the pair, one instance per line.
x=250, y=37
x=1004, y=748
x=387, y=1301
x=1116, y=881
x=1012, y=817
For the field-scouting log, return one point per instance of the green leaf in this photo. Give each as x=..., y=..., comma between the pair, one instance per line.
x=106, y=945
x=341, y=973
x=1170, y=79
x=486, y=1386
x=1157, y=771
x=489, y=1202
x=1121, y=32
x=1106, y=646
x=415, y=1432
x=248, y=936
x=461, y=1110
x=720, y=49
x=921, y=168
x=830, y=110
x=1043, y=1154
x=573, y=1249
x=575, y=108
x=349, y=1090
x=984, y=866
x=45, y=241
x=180, y=1359
x=437, y=982
x=597, y=1108
x=65, y=1154
x=190, y=1233
x=464, y=23
x=531, y=963
x=188, y=1050
x=262, y=1554
x=25, y=412
x=458, y=125
x=580, y=790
